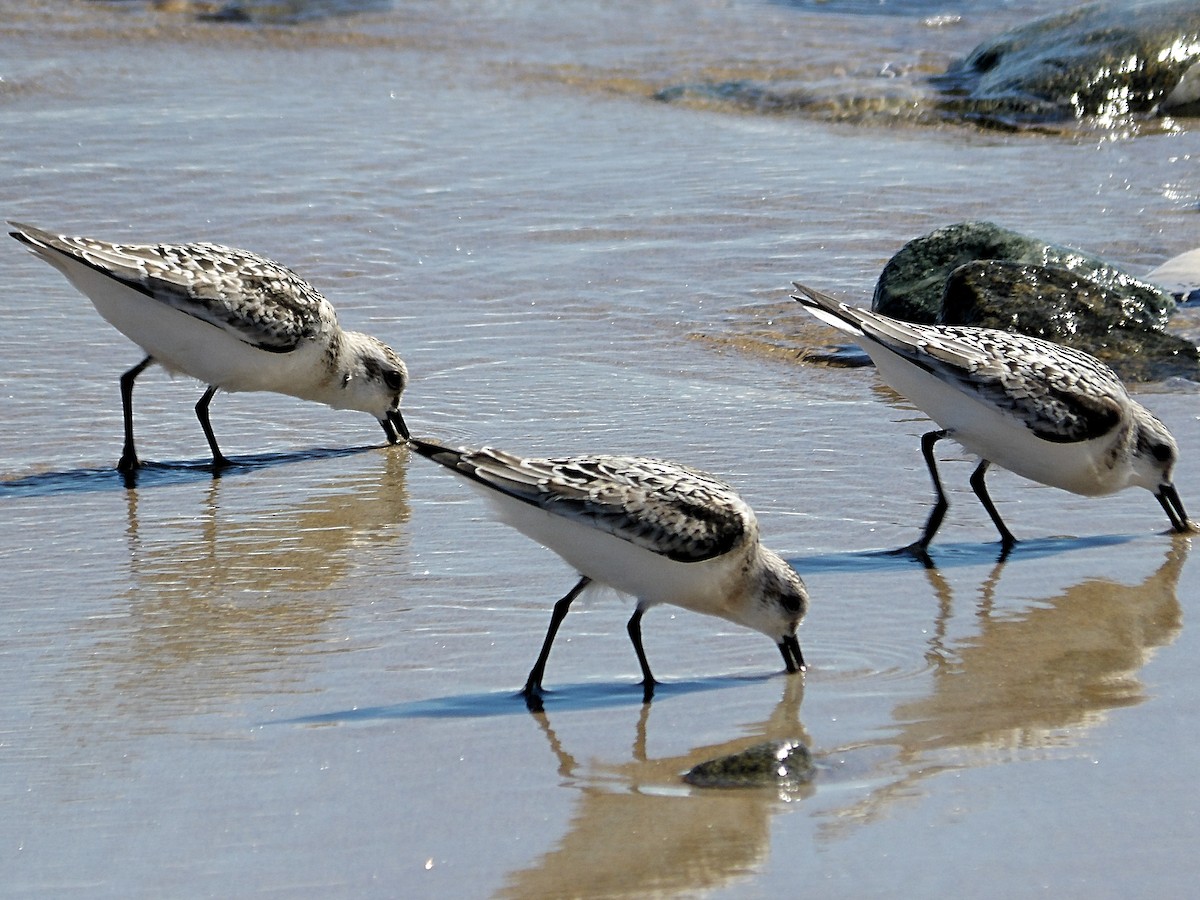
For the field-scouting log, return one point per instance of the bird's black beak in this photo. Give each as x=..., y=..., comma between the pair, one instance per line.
x=1168, y=497
x=789, y=647
x=394, y=427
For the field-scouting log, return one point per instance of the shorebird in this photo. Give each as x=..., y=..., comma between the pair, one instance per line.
x=230, y=318
x=663, y=532
x=1049, y=413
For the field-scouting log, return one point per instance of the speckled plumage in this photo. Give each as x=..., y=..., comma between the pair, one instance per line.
x=1047, y=412
x=265, y=304
x=675, y=511
x=1061, y=394
x=662, y=532
x=230, y=318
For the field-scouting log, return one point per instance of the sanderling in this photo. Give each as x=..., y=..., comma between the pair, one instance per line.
x=230, y=318
x=662, y=532
x=1180, y=275
x=1044, y=411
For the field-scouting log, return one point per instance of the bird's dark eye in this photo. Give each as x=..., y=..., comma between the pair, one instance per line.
x=1162, y=452
x=393, y=379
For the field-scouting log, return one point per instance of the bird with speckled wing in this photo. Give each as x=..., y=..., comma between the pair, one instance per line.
x=1049, y=413
x=230, y=318
x=663, y=532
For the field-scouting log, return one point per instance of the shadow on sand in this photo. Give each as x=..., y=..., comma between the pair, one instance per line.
x=159, y=474
x=570, y=697
x=951, y=555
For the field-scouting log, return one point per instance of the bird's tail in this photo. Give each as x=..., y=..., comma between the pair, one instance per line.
x=828, y=310
x=439, y=453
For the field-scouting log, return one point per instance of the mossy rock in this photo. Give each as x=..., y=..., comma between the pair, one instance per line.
x=913, y=281
x=977, y=273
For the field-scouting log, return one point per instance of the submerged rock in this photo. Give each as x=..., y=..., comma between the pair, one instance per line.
x=744, y=95
x=893, y=103
x=977, y=273
x=780, y=764
x=1106, y=62
x=199, y=8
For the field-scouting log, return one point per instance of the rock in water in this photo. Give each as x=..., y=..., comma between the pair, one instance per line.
x=913, y=282
x=977, y=273
x=1105, y=62
x=780, y=764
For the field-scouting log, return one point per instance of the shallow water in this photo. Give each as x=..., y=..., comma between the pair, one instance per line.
x=299, y=678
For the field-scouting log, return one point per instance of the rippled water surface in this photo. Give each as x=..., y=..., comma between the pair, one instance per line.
x=299, y=679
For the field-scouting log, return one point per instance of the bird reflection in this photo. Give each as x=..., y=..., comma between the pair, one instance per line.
x=637, y=829
x=1024, y=684
x=213, y=596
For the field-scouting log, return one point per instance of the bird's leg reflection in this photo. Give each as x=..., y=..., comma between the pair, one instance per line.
x=638, y=751
x=936, y=653
x=782, y=724
x=987, y=591
x=131, y=513
x=566, y=762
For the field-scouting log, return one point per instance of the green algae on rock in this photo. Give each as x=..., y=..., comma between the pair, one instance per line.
x=912, y=283
x=289, y=12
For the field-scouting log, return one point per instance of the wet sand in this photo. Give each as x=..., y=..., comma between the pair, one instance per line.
x=300, y=679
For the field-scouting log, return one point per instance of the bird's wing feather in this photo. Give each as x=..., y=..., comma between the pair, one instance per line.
x=671, y=510
x=254, y=299
x=1061, y=394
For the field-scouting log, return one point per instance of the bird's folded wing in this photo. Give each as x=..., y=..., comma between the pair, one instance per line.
x=671, y=510
x=1060, y=394
x=254, y=299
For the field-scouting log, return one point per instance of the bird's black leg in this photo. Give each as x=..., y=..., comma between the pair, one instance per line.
x=980, y=488
x=635, y=634
x=219, y=460
x=935, y=515
x=129, y=459
x=533, y=684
